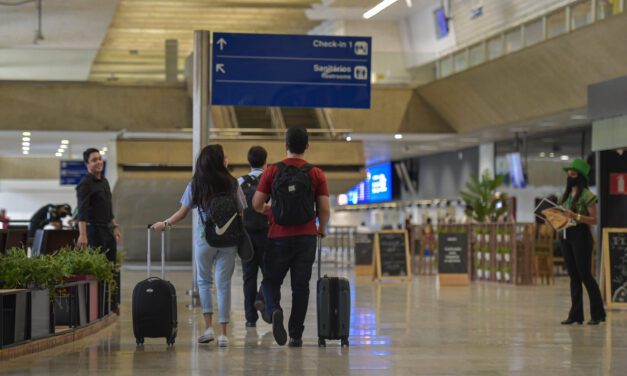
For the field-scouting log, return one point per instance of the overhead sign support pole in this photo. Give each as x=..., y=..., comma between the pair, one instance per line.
x=201, y=122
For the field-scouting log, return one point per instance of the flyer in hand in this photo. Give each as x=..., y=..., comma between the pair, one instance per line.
x=553, y=214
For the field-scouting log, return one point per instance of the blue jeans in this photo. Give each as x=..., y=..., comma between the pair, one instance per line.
x=224, y=259
x=296, y=254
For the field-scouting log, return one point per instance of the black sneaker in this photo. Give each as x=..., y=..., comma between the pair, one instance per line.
x=278, y=331
x=295, y=342
x=250, y=324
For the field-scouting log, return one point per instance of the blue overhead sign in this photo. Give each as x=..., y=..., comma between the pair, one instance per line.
x=73, y=171
x=290, y=70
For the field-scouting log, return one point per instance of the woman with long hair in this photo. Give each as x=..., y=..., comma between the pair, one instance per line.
x=211, y=178
x=576, y=242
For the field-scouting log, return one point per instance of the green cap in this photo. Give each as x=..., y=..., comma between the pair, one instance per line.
x=580, y=166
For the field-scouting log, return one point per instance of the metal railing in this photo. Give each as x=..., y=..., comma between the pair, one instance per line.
x=558, y=22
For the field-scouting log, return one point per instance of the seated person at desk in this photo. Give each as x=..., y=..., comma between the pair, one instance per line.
x=47, y=214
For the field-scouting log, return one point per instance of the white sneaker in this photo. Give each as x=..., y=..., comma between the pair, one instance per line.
x=223, y=341
x=207, y=336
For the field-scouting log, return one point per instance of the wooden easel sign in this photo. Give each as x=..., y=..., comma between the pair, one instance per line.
x=453, y=260
x=614, y=271
x=392, y=258
x=364, y=254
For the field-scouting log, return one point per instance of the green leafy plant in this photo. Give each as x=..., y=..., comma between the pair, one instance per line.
x=48, y=271
x=481, y=196
x=20, y=272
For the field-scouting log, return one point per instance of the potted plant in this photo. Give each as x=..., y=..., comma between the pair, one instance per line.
x=481, y=196
x=479, y=270
x=506, y=253
x=486, y=252
x=86, y=264
x=506, y=274
x=499, y=255
x=39, y=275
x=497, y=272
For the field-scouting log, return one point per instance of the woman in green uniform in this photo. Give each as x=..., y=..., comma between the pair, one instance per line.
x=577, y=244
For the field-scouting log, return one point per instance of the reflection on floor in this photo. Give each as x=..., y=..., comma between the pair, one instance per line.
x=397, y=329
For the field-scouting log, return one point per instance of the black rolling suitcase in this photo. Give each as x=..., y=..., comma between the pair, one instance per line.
x=154, y=304
x=334, y=306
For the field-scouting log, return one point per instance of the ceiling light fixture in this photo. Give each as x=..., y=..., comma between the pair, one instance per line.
x=378, y=8
x=348, y=138
x=58, y=154
x=25, y=133
x=25, y=152
x=551, y=155
x=543, y=154
x=398, y=136
x=25, y=148
x=59, y=150
x=579, y=117
x=25, y=138
x=564, y=157
x=65, y=142
x=64, y=146
x=105, y=149
x=25, y=143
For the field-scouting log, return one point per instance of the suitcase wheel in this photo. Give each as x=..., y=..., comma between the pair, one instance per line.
x=139, y=341
x=344, y=342
x=170, y=342
x=322, y=342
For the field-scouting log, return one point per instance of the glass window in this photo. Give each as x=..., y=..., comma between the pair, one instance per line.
x=446, y=66
x=513, y=40
x=556, y=24
x=533, y=32
x=476, y=54
x=495, y=48
x=581, y=14
x=461, y=61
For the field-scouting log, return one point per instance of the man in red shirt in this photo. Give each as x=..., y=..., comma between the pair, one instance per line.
x=294, y=187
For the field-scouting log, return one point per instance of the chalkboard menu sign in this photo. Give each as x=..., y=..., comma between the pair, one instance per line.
x=392, y=254
x=615, y=264
x=364, y=247
x=453, y=253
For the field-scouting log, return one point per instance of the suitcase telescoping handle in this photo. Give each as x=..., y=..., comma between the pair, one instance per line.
x=319, y=243
x=163, y=246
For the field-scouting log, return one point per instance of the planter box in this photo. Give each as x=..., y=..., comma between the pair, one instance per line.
x=498, y=276
x=487, y=237
x=506, y=257
x=499, y=257
x=486, y=256
x=14, y=309
x=499, y=238
x=507, y=277
x=487, y=274
x=41, y=319
x=480, y=273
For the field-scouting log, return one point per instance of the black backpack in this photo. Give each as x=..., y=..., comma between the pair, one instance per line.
x=223, y=225
x=253, y=221
x=293, y=199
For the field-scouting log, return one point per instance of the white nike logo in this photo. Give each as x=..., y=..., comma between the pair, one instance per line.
x=221, y=230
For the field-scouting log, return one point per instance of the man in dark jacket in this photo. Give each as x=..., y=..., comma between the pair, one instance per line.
x=96, y=223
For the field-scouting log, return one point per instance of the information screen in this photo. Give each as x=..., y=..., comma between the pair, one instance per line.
x=376, y=188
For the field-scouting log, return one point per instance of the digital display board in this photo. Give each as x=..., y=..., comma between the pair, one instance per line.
x=376, y=188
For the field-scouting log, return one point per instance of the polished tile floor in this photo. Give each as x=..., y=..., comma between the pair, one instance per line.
x=397, y=329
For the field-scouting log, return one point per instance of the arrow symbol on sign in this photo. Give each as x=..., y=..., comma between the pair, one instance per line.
x=221, y=42
x=220, y=68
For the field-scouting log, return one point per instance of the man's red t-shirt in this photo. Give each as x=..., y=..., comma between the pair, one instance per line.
x=319, y=185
